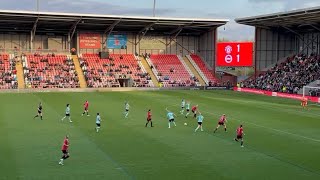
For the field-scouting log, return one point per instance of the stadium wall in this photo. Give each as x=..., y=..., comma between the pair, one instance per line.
x=207, y=47
x=272, y=45
x=22, y=41
x=153, y=44
x=308, y=43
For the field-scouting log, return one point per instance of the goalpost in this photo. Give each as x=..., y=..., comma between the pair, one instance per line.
x=311, y=91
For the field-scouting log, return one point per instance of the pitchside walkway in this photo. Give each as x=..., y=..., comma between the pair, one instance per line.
x=82, y=79
x=20, y=75
x=194, y=71
x=148, y=69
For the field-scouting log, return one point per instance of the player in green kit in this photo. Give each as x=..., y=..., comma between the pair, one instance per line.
x=188, y=109
x=200, y=120
x=183, y=103
x=170, y=116
x=127, y=107
x=67, y=114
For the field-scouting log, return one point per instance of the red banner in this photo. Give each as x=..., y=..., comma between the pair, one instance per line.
x=90, y=41
x=276, y=94
x=234, y=54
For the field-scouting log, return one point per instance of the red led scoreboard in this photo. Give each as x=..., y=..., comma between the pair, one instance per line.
x=234, y=54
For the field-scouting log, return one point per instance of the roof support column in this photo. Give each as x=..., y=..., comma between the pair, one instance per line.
x=71, y=33
x=33, y=33
x=108, y=31
x=144, y=31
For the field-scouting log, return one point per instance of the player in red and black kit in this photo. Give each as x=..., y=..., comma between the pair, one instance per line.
x=239, y=135
x=194, y=111
x=86, y=108
x=149, y=118
x=64, y=150
x=222, y=122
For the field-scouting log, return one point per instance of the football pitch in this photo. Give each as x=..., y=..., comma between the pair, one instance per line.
x=282, y=141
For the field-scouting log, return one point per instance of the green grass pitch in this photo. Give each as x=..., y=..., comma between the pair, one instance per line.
x=282, y=141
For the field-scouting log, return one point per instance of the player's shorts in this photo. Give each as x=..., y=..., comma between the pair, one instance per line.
x=127, y=110
x=182, y=107
x=98, y=124
x=200, y=123
x=239, y=137
x=171, y=120
x=67, y=115
x=86, y=109
x=194, y=111
x=221, y=123
x=188, y=110
x=39, y=112
x=64, y=151
x=304, y=104
x=148, y=119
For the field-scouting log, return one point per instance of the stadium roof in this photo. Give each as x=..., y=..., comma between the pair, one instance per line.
x=299, y=20
x=25, y=21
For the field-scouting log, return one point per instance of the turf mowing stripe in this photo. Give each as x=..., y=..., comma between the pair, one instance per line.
x=277, y=130
x=118, y=166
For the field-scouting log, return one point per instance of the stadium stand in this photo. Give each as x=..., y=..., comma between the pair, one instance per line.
x=8, y=75
x=170, y=71
x=49, y=71
x=202, y=66
x=104, y=72
x=289, y=76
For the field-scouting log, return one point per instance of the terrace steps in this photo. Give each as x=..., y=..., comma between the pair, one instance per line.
x=20, y=75
x=194, y=71
x=82, y=79
x=150, y=72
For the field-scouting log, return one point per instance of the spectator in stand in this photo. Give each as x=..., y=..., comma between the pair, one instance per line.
x=289, y=76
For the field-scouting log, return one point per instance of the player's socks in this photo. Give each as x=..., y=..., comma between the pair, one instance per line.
x=225, y=129
x=169, y=125
x=241, y=143
x=196, y=129
x=201, y=128
x=151, y=124
x=88, y=114
x=35, y=116
x=70, y=120
x=215, y=130
x=41, y=117
x=236, y=139
x=174, y=123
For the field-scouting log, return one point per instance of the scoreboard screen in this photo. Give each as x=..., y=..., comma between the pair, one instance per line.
x=235, y=54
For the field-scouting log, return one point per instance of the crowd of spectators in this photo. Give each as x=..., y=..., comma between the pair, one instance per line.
x=49, y=71
x=8, y=73
x=289, y=76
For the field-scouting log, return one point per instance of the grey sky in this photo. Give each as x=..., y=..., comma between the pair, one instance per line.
x=229, y=9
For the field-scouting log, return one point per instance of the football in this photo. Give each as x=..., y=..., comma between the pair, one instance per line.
x=185, y=124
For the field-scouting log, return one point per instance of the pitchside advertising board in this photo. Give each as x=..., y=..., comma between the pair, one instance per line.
x=234, y=54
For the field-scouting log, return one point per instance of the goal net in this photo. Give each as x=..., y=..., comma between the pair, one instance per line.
x=313, y=91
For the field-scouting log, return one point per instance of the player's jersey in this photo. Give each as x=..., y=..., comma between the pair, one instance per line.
x=68, y=110
x=65, y=145
x=183, y=103
x=98, y=119
x=194, y=108
x=200, y=118
x=170, y=115
x=222, y=119
x=240, y=131
x=127, y=106
x=188, y=106
x=149, y=115
x=86, y=105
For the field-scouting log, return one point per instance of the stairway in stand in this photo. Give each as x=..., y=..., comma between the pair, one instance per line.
x=149, y=71
x=20, y=75
x=82, y=79
x=194, y=71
